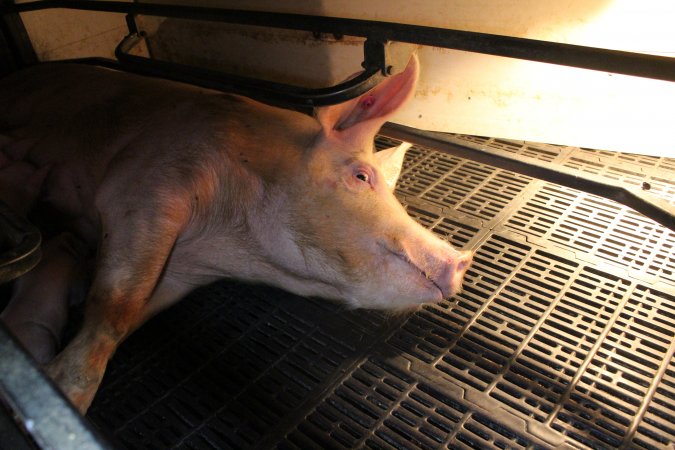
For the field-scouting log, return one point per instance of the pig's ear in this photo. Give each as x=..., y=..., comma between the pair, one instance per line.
x=390, y=162
x=371, y=110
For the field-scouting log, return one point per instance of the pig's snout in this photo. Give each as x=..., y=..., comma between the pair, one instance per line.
x=451, y=277
x=443, y=266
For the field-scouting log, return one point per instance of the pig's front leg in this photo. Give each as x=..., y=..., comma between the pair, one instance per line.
x=135, y=245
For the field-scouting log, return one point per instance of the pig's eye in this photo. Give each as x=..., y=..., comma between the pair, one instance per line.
x=363, y=176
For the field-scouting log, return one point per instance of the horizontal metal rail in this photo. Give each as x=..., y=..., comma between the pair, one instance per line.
x=644, y=202
x=627, y=63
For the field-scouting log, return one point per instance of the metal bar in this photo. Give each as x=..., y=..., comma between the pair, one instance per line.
x=19, y=49
x=260, y=89
x=20, y=250
x=651, y=206
x=627, y=63
x=38, y=406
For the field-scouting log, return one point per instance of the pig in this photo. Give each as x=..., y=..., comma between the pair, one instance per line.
x=173, y=186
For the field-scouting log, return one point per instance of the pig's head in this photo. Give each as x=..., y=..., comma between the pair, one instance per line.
x=353, y=233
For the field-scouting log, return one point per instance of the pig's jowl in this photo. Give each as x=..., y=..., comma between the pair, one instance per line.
x=173, y=186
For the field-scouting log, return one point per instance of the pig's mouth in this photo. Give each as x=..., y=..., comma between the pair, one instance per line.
x=403, y=257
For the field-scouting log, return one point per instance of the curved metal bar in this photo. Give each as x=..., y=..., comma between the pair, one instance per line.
x=22, y=241
x=260, y=89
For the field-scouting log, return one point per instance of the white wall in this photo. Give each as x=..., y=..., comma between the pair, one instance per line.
x=459, y=92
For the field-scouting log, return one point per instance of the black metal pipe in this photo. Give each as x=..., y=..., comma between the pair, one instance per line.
x=651, y=206
x=627, y=63
x=17, y=49
x=263, y=90
x=37, y=406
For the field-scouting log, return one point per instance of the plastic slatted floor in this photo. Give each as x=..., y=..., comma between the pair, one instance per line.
x=564, y=335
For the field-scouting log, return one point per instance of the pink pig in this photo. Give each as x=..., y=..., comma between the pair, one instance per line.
x=177, y=186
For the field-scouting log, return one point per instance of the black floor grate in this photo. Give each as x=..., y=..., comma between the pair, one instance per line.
x=657, y=429
x=541, y=152
x=381, y=406
x=599, y=227
x=631, y=170
x=563, y=336
x=453, y=183
x=242, y=368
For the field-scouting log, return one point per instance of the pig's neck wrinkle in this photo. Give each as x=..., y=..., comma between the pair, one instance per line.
x=223, y=257
x=259, y=248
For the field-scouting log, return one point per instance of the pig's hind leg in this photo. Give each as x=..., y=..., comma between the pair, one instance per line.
x=137, y=237
x=38, y=310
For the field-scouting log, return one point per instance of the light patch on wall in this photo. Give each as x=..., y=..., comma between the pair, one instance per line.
x=643, y=27
x=512, y=99
x=63, y=34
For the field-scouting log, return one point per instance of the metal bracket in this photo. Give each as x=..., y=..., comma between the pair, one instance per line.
x=375, y=55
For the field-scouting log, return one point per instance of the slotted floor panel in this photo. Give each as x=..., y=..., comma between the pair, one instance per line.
x=598, y=227
x=563, y=335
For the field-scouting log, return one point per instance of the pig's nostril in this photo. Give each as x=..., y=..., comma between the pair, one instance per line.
x=462, y=266
x=464, y=261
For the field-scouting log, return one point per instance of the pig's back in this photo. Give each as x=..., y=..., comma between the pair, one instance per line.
x=69, y=111
x=79, y=120
x=88, y=112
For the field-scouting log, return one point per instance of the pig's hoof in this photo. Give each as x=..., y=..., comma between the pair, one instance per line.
x=79, y=391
